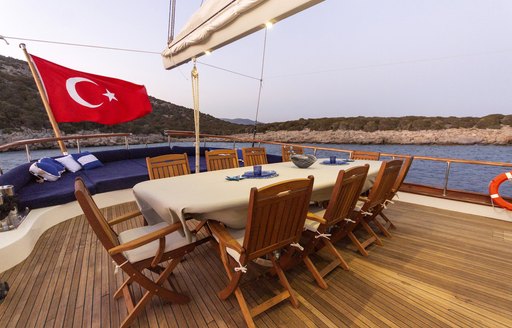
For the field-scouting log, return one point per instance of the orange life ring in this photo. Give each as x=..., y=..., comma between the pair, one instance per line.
x=494, y=187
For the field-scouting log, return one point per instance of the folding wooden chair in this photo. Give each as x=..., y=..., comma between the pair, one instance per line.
x=254, y=156
x=367, y=155
x=166, y=166
x=220, y=159
x=275, y=221
x=135, y=250
x=289, y=150
x=320, y=221
x=369, y=208
x=407, y=161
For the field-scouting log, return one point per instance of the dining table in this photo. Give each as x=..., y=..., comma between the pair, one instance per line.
x=223, y=195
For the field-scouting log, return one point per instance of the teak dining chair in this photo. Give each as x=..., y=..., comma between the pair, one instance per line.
x=135, y=250
x=220, y=159
x=367, y=155
x=369, y=208
x=407, y=161
x=289, y=150
x=275, y=221
x=166, y=166
x=254, y=156
x=320, y=221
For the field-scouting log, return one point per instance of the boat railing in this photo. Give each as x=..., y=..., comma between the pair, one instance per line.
x=19, y=144
x=443, y=192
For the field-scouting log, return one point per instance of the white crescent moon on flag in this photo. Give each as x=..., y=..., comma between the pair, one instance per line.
x=71, y=88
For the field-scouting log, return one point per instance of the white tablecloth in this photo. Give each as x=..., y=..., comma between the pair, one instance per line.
x=209, y=195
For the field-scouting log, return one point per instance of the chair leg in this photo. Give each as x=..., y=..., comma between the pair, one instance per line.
x=388, y=224
x=356, y=242
x=284, y=282
x=373, y=235
x=314, y=271
x=382, y=228
x=246, y=312
x=330, y=247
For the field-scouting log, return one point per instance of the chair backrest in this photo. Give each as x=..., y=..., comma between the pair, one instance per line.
x=368, y=155
x=276, y=216
x=166, y=166
x=289, y=150
x=345, y=194
x=384, y=183
x=97, y=221
x=406, y=165
x=254, y=156
x=220, y=159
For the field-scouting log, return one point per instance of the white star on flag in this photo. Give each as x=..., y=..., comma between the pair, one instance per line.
x=111, y=96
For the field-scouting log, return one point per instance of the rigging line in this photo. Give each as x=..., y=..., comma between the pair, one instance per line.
x=83, y=45
x=261, y=86
x=405, y=62
x=229, y=71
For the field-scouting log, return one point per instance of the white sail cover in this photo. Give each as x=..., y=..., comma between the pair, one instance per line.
x=219, y=22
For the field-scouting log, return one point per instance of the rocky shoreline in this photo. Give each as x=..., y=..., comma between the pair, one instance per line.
x=470, y=136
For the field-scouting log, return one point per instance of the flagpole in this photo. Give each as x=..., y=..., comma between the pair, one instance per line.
x=195, y=96
x=44, y=98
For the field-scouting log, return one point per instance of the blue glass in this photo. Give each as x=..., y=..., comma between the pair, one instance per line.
x=332, y=159
x=257, y=170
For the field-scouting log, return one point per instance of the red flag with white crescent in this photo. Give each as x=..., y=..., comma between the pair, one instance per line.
x=76, y=96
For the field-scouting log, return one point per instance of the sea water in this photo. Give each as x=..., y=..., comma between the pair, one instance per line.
x=466, y=177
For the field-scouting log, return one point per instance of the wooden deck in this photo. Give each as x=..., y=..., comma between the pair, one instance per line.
x=441, y=269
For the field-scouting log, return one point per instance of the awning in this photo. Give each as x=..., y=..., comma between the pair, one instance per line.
x=220, y=22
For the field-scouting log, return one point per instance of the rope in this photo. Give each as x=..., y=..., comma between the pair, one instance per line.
x=323, y=235
x=195, y=95
x=261, y=86
x=297, y=245
x=82, y=45
x=241, y=268
x=386, y=202
x=116, y=268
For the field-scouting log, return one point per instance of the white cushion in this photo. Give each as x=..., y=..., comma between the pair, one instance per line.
x=69, y=163
x=172, y=241
x=359, y=205
x=238, y=235
x=312, y=225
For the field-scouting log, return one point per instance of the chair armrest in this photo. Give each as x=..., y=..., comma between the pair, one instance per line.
x=146, y=239
x=218, y=230
x=124, y=217
x=314, y=217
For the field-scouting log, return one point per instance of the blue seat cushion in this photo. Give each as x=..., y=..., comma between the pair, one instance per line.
x=36, y=195
x=190, y=151
x=112, y=155
x=118, y=175
x=192, y=164
x=149, y=152
x=18, y=177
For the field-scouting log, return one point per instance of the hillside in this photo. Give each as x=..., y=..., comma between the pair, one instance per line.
x=21, y=110
x=21, y=106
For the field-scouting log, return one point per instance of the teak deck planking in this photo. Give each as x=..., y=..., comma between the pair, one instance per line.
x=440, y=269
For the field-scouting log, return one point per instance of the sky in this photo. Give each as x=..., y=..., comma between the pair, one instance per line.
x=338, y=58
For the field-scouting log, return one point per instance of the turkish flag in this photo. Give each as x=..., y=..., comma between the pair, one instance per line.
x=76, y=96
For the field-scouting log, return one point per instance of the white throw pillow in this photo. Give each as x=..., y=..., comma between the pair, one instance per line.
x=44, y=171
x=69, y=163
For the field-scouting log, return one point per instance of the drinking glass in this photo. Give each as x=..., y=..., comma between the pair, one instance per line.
x=257, y=170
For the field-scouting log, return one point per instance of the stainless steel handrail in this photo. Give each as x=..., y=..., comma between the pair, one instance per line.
x=315, y=150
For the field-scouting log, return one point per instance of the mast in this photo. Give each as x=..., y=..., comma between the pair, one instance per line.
x=44, y=98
